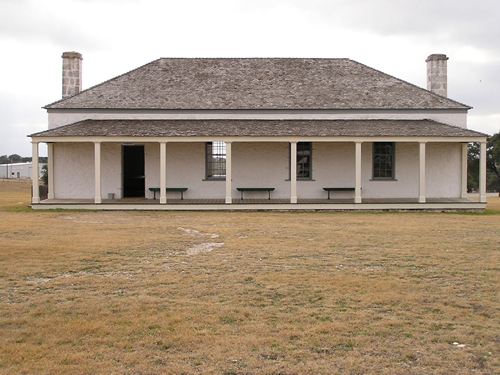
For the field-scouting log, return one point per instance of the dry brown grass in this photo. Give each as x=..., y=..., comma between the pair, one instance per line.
x=117, y=292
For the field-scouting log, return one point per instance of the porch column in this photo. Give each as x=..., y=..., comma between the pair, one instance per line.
x=34, y=174
x=464, y=170
x=357, y=188
x=293, y=172
x=421, y=172
x=50, y=170
x=163, y=172
x=482, y=174
x=229, y=198
x=97, y=172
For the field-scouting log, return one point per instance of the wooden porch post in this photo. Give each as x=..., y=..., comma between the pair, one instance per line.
x=421, y=174
x=163, y=172
x=50, y=170
x=357, y=189
x=34, y=174
x=482, y=173
x=229, y=198
x=97, y=173
x=293, y=172
x=464, y=170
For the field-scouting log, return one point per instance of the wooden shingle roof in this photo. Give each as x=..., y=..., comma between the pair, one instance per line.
x=255, y=84
x=258, y=128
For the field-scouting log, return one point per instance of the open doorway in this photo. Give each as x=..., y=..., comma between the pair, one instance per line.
x=133, y=171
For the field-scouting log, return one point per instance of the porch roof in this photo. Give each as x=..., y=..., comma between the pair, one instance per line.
x=258, y=128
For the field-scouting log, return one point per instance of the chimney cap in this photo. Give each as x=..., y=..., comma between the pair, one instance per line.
x=436, y=56
x=72, y=55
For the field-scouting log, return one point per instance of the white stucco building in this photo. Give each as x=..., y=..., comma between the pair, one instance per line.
x=19, y=170
x=257, y=134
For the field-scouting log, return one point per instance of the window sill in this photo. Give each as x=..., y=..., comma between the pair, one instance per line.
x=214, y=179
x=383, y=179
x=302, y=179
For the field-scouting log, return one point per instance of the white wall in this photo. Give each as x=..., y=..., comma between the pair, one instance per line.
x=74, y=170
x=443, y=170
x=332, y=166
x=185, y=168
x=452, y=117
x=111, y=170
x=260, y=165
x=405, y=183
x=151, y=167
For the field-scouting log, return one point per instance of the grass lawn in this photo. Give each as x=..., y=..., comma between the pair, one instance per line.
x=247, y=292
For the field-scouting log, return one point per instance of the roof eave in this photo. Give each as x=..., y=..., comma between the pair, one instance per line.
x=464, y=107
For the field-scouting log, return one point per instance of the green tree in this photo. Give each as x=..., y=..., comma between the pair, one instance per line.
x=492, y=164
x=15, y=158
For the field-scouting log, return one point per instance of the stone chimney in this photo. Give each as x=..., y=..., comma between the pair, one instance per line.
x=71, y=74
x=437, y=74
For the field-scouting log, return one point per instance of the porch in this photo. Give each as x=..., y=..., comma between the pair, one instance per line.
x=432, y=165
x=440, y=204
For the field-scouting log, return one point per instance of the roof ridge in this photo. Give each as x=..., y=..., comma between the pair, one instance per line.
x=411, y=84
x=100, y=84
x=253, y=58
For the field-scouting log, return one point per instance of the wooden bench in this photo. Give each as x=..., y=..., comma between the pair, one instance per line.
x=174, y=189
x=330, y=189
x=268, y=189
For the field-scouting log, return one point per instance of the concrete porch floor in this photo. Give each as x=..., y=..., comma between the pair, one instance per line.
x=263, y=204
x=255, y=201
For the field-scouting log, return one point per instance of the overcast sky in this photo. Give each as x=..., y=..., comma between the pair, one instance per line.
x=115, y=36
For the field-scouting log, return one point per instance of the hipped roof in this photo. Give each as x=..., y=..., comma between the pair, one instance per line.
x=255, y=84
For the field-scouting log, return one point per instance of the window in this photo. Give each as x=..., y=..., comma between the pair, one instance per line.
x=383, y=160
x=215, y=160
x=304, y=151
x=304, y=160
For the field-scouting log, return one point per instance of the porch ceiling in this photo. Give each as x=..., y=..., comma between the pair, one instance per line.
x=258, y=128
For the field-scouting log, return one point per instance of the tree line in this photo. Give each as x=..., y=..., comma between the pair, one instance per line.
x=15, y=158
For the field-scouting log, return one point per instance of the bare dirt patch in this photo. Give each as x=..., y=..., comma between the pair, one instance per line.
x=204, y=247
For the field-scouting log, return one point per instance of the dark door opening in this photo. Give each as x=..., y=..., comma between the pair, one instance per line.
x=133, y=171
